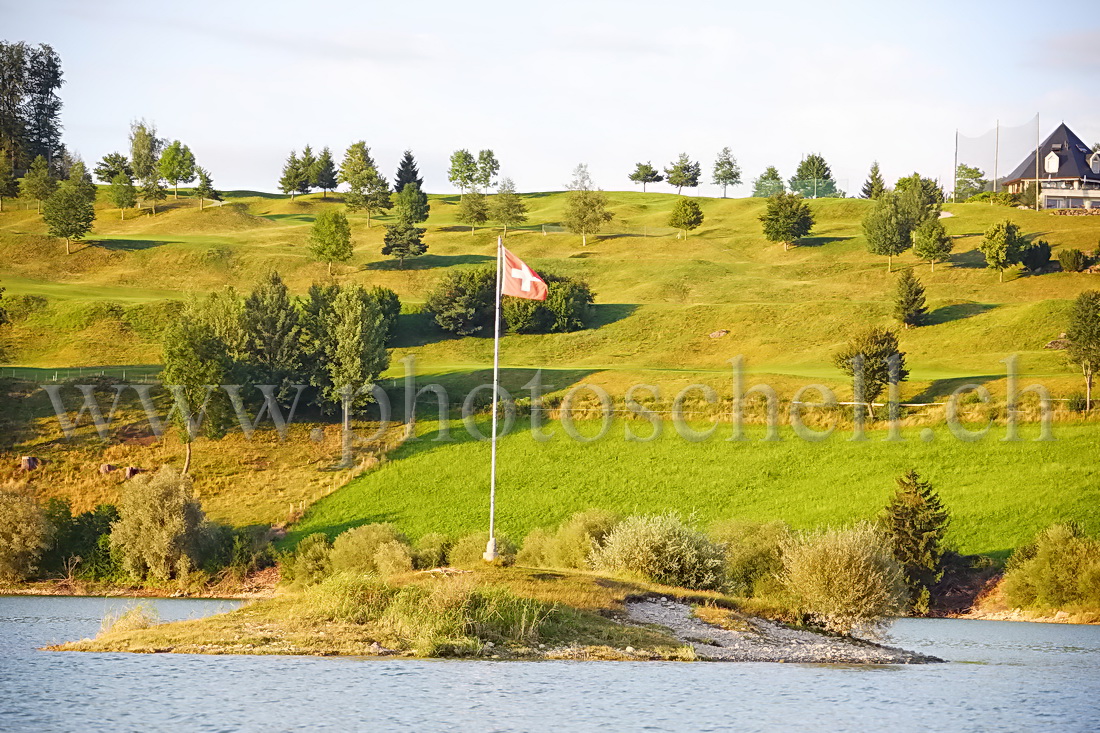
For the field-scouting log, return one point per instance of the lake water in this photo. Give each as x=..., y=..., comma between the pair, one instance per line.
x=1002, y=676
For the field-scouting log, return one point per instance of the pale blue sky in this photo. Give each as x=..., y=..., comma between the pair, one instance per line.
x=550, y=85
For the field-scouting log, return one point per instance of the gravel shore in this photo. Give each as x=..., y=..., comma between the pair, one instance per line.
x=764, y=641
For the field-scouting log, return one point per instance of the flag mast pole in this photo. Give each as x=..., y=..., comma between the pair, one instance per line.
x=490, y=553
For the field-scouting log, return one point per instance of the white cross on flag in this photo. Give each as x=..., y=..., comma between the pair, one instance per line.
x=519, y=280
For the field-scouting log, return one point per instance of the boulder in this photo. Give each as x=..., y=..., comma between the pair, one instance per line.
x=1061, y=343
x=107, y=467
x=132, y=471
x=29, y=463
x=719, y=333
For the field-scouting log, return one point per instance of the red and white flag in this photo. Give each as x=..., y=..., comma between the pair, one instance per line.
x=519, y=280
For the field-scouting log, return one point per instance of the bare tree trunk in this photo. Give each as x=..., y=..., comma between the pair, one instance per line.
x=176, y=190
x=67, y=245
x=201, y=201
x=330, y=270
x=889, y=263
x=1000, y=276
x=122, y=213
x=1088, y=389
x=933, y=265
x=187, y=459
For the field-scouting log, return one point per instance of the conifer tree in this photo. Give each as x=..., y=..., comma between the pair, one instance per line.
x=367, y=189
x=726, y=170
x=787, y=219
x=909, y=305
x=874, y=186
x=357, y=346
x=326, y=172
x=38, y=183
x=407, y=173
x=645, y=173
x=813, y=178
x=9, y=187
x=204, y=189
x=293, y=176
x=272, y=328
x=768, y=184
x=506, y=207
x=122, y=193
x=916, y=521
x=473, y=209
x=683, y=173
x=308, y=167
x=330, y=238
x=376, y=195
x=403, y=240
x=931, y=242
x=885, y=229
x=880, y=359
x=111, y=165
x=81, y=180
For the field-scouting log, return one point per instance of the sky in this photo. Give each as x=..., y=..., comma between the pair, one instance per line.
x=550, y=85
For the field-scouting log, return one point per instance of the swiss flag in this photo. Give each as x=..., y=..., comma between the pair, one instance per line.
x=519, y=280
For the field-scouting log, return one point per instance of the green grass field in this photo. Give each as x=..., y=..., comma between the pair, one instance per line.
x=658, y=299
x=999, y=493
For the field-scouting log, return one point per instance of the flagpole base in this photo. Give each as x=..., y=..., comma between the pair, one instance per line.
x=490, y=554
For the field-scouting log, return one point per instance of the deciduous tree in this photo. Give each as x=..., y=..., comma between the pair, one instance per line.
x=787, y=219
x=38, y=183
x=111, y=165
x=473, y=209
x=645, y=173
x=586, y=213
x=506, y=207
x=1083, y=335
x=1001, y=247
x=873, y=354
x=9, y=187
x=931, y=242
x=686, y=215
x=463, y=170
x=68, y=213
x=145, y=149
x=487, y=169
x=968, y=182
x=726, y=170
x=122, y=193
x=177, y=165
x=152, y=191
x=195, y=363
x=330, y=238
x=204, y=189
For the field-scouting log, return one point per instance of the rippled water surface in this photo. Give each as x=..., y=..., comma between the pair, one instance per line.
x=1002, y=676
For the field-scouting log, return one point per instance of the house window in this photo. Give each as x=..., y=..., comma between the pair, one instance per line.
x=1051, y=162
x=1094, y=163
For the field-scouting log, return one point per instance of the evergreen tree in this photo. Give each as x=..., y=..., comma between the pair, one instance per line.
x=326, y=173
x=916, y=521
x=586, y=213
x=111, y=165
x=330, y=238
x=307, y=165
x=41, y=108
x=13, y=80
x=271, y=326
x=683, y=173
x=507, y=208
x=153, y=191
x=463, y=170
x=204, y=189
x=909, y=306
x=1083, y=336
x=411, y=204
x=686, y=215
x=177, y=165
x=1035, y=256
x=814, y=178
x=931, y=242
x=82, y=181
x=293, y=176
x=487, y=169
x=882, y=362
x=122, y=193
x=145, y=149
x=1001, y=246
x=403, y=240
x=367, y=189
x=875, y=186
x=68, y=213
x=927, y=193
x=885, y=230
x=645, y=173
x=376, y=195
x=407, y=173
x=9, y=187
x=768, y=184
x=473, y=209
x=726, y=170
x=38, y=183
x=787, y=219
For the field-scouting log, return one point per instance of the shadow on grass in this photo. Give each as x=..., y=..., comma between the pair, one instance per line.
x=821, y=241
x=428, y=262
x=304, y=218
x=242, y=193
x=972, y=259
x=940, y=389
x=957, y=312
x=131, y=245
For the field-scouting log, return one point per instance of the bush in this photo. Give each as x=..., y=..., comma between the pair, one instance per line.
x=1060, y=569
x=134, y=618
x=160, y=526
x=580, y=536
x=78, y=541
x=25, y=534
x=752, y=553
x=431, y=551
x=392, y=558
x=1077, y=403
x=467, y=552
x=354, y=550
x=462, y=302
x=312, y=560
x=535, y=552
x=349, y=597
x=1073, y=260
x=567, y=308
x=662, y=549
x=1035, y=256
x=844, y=579
x=389, y=305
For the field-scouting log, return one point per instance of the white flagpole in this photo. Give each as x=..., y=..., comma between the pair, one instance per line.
x=491, y=547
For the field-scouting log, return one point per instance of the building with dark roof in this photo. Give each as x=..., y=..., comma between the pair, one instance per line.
x=1068, y=173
